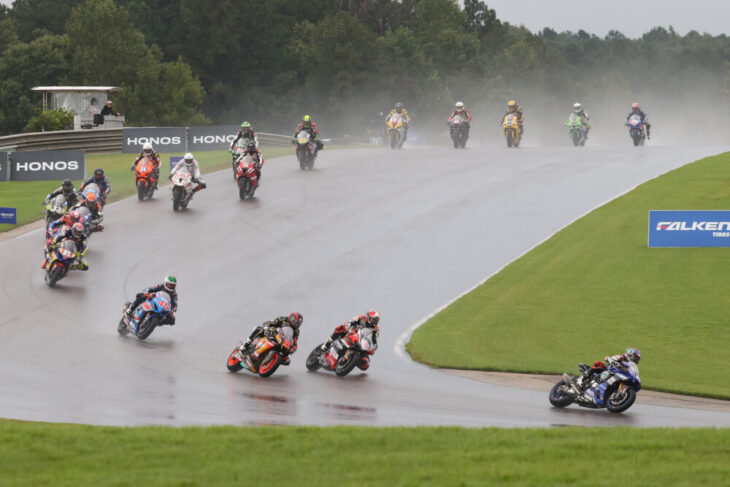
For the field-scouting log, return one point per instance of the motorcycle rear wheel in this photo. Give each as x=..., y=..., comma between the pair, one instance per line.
x=623, y=404
x=558, y=399
x=234, y=365
x=313, y=359
x=345, y=366
x=269, y=363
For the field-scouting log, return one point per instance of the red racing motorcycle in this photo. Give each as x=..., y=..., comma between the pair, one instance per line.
x=352, y=350
x=246, y=177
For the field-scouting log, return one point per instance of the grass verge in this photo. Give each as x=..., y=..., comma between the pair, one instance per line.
x=595, y=288
x=27, y=196
x=73, y=455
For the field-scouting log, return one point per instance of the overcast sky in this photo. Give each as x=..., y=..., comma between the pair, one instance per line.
x=632, y=17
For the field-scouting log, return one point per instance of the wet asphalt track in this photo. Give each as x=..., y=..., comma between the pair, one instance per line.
x=404, y=232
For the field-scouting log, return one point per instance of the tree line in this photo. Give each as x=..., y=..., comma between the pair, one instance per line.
x=342, y=61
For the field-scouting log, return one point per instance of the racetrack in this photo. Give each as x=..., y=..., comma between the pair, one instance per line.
x=403, y=232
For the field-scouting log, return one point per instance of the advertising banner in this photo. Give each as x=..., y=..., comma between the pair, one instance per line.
x=4, y=168
x=163, y=139
x=44, y=165
x=214, y=137
x=174, y=160
x=691, y=228
x=8, y=215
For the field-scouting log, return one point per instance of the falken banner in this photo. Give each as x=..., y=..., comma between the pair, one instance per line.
x=45, y=165
x=9, y=215
x=214, y=137
x=163, y=139
x=690, y=228
x=4, y=170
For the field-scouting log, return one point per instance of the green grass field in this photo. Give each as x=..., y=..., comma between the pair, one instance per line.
x=71, y=455
x=595, y=288
x=28, y=196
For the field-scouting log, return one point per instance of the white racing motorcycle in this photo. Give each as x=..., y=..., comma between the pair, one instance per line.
x=182, y=189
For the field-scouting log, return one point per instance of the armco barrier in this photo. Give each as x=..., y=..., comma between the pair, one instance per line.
x=94, y=141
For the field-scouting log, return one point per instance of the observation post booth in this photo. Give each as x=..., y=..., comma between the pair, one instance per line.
x=85, y=102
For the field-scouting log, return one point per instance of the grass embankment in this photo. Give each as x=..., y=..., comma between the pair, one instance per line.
x=595, y=288
x=27, y=196
x=73, y=455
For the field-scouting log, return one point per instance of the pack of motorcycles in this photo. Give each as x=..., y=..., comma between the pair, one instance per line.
x=614, y=389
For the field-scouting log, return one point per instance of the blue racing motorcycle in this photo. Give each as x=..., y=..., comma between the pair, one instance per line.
x=154, y=312
x=614, y=389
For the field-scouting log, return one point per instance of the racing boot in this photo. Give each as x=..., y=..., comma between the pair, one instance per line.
x=326, y=345
x=285, y=361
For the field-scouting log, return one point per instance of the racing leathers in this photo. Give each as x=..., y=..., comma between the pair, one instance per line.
x=313, y=131
x=147, y=292
x=271, y=328
x=644, y=120
x=81, y=245
x=72, y=197
x=103, y=183
x=96, y=216
x=194, y=171
x=155, y=158
x=258, y=157
x=585, y=120
x=347, y=327
x=249, y=134
x=464, y=114
x=520, y=116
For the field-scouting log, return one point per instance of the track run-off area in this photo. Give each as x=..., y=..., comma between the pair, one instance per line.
x=404, y=232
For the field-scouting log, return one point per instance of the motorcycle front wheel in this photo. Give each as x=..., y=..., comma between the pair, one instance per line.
x=234, y=364
x=346, y=363
x=141, y=190
x=147, y=326
x=176, y=198
x=269, y=363
x=558, y=398
x=620, y=399
x=55, y=275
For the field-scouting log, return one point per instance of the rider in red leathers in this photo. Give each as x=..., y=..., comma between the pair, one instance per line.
x=253, y=151
x=368, y=320
x=461, y=110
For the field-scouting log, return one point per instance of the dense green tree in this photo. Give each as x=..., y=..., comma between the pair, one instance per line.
x=34, y=18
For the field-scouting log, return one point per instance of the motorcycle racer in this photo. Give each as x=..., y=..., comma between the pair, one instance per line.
x=76, y=233
x=101, y=181
x=308, y=124
x=255, y=152
x=635, y=110
x=246, y=132
x=294, y=320
x=149, y=152
x=369, y=320
x=583, y=115
x=68, y=191
x=97, y=213
x=66, y=220
x=631, y=355
x=190, y=164
x=513, y=107
x=169, y=285
x=406, y=119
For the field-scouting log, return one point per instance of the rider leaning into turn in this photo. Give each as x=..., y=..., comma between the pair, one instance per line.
x=66, y=220
x=68, y=191
x=513, y=107
x=406, y=119
x=75, y=233
x=101, y=181
x=583, y=116
x=463, y=112
x=308, y=125
x=635, y=110
x=97, y=213
x=631, y=355
x=294, y=320
x=190, y=164
x=368, y=320
x=169, y=285
x=149, y=152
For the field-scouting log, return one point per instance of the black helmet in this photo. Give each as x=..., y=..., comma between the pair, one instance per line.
x=67, y=186
x=251, y=146
x=98, y=173
x=295, y=319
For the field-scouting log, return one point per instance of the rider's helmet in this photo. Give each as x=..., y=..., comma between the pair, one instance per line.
x=188, y=160
x=77, y=230
x=307, y=121
x=147, y=149
x=399, y=107
x=511, y=105
x=294, y=319
x=170, y=284
x=633, y=355
x=246, y=127
x=577, y=107
x=372, y=318
x=634, y=106
x=459, y=106
x=251, y=147
x=91, y=197
x=74, y=216
x=598, y=366
x=67, y=186
x=98, y=174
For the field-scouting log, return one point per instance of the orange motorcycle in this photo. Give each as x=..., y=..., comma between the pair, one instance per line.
x=264, y=355
x=145, y=178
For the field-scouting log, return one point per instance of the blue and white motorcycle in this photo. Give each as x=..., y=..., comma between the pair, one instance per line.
x=614, y=389
x=154, y=312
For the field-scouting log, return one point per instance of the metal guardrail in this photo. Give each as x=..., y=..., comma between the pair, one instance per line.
x=95, y=140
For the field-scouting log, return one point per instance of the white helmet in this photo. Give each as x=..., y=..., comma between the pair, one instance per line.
x=577, y=107
x=188, y=159
x=147, y=148
x=459, y=105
